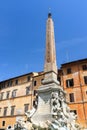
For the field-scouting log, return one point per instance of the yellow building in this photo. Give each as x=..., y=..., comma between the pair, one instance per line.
x=16, y=97
x=73, y=77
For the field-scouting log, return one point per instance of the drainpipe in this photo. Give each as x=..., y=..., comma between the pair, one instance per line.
x=82, y=94
x=63, y=81
x=32, y=92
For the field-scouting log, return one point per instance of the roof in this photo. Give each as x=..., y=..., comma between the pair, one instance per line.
x=74, y=62
x=31, y=73
x=16, y=77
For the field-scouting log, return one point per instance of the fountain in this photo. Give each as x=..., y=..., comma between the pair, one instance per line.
x=51, y=111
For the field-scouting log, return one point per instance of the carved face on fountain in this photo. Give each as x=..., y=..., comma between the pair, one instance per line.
x=54, y=95
x=61, y=95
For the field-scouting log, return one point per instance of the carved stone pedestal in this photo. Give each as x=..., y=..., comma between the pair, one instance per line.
x=52, y=112
x=44, y=109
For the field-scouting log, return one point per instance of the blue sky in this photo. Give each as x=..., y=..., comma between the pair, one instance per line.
x=23, y=33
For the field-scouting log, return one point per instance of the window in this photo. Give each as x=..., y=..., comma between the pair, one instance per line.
x=14, y=93
x=0, y=110
x=12, y=110
x=69, y=83
x=5, y=111
x=27, y=90
x=34, y=103
x=2, y=85
x=26, y=107
x=1, y=96
x=84, y=67
x=9, y=83
x=71, y=95
x=8, y=93
x=3, y=123
x=69, y=71
x=74, y=111
x=16, y=82
x=35, y=92
x=35, y=83
x=86, y=92
x=28, y=78
x=85, y=79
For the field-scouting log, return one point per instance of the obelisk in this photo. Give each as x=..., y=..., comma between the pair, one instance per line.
x=50, y=83
x=50, y=67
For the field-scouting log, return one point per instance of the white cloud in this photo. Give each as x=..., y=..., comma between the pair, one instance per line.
x=4, y=65
x=72, y=42
x=26, y=66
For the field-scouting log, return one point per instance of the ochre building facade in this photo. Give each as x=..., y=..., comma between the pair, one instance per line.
x=17, y=95
x=73, y=77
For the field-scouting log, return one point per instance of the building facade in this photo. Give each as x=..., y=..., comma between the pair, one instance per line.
x=73, y=77
x=17, y=95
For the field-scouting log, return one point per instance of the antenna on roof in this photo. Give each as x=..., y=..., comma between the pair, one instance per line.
x=67, y=56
